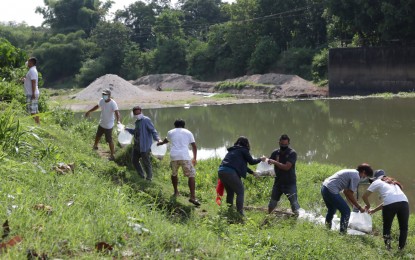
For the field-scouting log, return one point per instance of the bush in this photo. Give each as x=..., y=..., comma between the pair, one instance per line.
x=265, y=54
x=297, y=61
x=13, y=92
x=319, y=66
x=91, y=69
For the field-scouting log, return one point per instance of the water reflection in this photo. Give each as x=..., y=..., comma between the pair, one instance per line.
x=344, y=132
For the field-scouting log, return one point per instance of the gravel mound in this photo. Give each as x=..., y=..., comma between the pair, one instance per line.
x=120, y=89
x=268, y=79
x=171, y=82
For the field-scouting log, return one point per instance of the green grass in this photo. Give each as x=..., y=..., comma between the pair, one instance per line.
x=225, y=85
x=101, y=200
x=223, y=96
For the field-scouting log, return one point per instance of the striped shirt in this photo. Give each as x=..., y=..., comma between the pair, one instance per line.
x=341, y=180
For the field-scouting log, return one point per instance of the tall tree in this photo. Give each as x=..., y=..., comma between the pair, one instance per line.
x=64, y=16
x=200, y=14
x=61, y=57
x=170, y=54
x=140, y=18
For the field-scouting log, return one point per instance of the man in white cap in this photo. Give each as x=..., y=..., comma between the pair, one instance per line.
x=109, y=110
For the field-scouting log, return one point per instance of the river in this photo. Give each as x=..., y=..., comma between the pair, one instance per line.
x=378, y=131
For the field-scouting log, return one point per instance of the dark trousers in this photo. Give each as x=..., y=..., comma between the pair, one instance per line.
x=233, y=185
x=401, y=210
x=289, y=190
x=146, y=160
x=333, y=203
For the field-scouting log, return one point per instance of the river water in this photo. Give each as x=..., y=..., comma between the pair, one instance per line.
x=378, y=131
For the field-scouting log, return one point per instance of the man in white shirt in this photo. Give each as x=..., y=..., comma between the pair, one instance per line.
x=109, y=108
x=180, y=139
x=31, y=89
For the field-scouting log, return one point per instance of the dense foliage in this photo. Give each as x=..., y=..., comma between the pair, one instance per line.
x=208, y=39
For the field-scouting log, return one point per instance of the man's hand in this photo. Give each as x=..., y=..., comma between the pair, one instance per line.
x=87, y=114
x=194, y=162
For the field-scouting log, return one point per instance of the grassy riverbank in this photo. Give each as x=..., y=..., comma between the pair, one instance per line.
x=66, y=215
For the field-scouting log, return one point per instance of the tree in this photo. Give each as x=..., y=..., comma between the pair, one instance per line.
x=64, y=16
x=10, y=58
x=264, y=56
x=112, y=39
x=61, y=57
x=170, y=54
x=140, y=18
x=200, y=14
x=200, y=63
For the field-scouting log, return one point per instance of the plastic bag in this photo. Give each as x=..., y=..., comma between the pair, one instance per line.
x=124, y=138
x=361, y=222
x=158, y=150
x=264, y=169
x=120, y=127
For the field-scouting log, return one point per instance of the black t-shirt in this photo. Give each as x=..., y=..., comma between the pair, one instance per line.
x=285, y=177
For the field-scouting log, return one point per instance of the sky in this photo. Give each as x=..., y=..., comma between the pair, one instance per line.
x=24, y=10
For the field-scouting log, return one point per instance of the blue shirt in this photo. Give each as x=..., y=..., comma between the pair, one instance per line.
x=145, y=132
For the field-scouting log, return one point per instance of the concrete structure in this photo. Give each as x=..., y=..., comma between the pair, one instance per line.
x=363, y=71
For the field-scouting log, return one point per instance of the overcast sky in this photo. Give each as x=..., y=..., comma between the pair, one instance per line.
x=24, y=10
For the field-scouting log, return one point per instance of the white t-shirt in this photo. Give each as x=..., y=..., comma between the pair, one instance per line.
x=31, y=75
x=107, y=117
x=390, y=193
x=180, y=138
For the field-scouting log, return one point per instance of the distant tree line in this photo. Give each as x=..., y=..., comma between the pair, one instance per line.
x=207, y=39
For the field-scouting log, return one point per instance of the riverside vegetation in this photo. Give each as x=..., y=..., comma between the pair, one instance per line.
x=103, y=210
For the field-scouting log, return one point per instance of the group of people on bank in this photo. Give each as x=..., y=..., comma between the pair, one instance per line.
x=234, y=167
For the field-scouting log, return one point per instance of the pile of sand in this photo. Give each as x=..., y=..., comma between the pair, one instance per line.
x=171, y=82
x=120, y=89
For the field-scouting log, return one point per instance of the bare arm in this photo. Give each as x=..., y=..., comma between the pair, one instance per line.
x=350, y=197
x=194, y=149
x=282, y=166
x=117, y=115
x=365, y=198
x=91, y=110
x=33, y=81
x=379, y=207
x=165, y=141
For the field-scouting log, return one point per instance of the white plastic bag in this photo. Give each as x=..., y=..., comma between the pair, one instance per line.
x=264, y=169
x=158, y=150
x=120, y=127
x=124, y=138
x=361, y=222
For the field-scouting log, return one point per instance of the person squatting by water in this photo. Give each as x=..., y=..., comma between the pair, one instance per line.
x=180, y=139
x=285, y=181
x=144, y=133
x=345, y=180
x=234, y=167
x=109, y=110
x=395, y=203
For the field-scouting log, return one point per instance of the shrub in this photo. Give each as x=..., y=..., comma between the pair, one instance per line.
x=319, y=66
x=297, y=61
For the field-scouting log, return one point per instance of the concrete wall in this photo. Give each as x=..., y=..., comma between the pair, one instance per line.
x=362, y=71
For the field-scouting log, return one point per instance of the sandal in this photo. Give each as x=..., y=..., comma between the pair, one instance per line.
x=195, y=202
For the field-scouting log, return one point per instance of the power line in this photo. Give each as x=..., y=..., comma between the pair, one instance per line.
x=280, y=15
